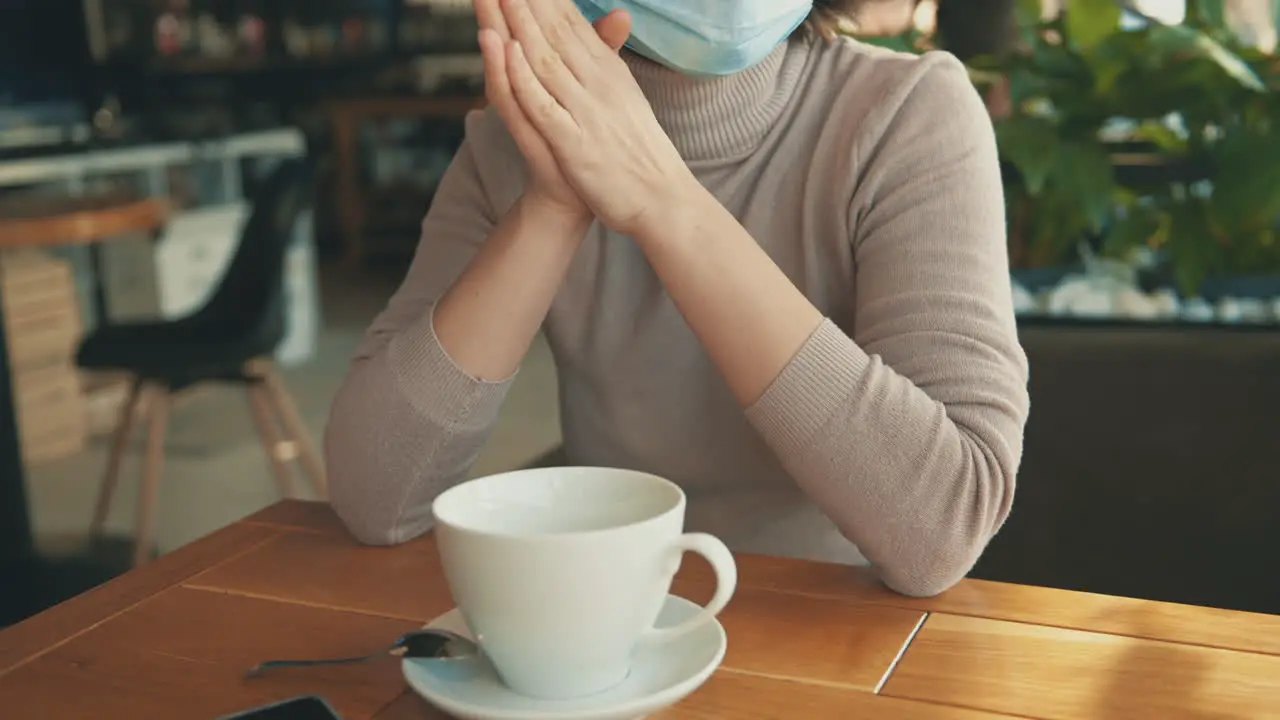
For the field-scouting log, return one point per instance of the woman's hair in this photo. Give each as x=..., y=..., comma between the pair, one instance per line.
x=978, y=27
x=827, y=16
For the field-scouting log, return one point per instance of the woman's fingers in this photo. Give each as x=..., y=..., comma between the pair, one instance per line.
x=569, y=34
x=614, y=29
x=547, y=60
x=498, y=89
x=489, y=15
x=552, y=121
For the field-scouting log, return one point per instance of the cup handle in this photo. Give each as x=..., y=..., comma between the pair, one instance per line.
x=716, y=553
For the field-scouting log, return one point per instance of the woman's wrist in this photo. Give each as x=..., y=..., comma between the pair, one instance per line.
x=684, y=207
x=544, y=209
x=489, y=316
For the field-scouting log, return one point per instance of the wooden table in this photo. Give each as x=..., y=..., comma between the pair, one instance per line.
x=806, y=640
x=40, y=221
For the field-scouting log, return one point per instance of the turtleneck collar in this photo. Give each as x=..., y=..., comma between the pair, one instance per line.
x=721, y=118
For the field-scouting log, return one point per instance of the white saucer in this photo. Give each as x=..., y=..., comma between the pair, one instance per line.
x=661, y=676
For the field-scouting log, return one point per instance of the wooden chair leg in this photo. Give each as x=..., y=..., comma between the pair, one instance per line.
x=269, y=433
x=153, y=468
x=295, y=428
x=111, y=478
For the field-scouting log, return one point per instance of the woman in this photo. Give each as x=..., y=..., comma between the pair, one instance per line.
x=772, y=271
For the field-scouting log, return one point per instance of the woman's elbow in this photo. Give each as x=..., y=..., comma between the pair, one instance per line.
x=370, y=513
x=351, y=499
x=938, y=558
x=367, y=532
x=941, y=566
x=367, y=505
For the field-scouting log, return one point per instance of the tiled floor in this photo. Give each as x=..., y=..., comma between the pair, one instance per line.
x=216, y=472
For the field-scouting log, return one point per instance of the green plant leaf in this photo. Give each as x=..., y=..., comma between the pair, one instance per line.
x=1089, y=22
x=1136, y=229
x=1181, y=42
x=1083, y=172
x=1207, y=13
x=1246, y=192
x=1027, y=14
x=1159, y=134
x=1109, y=65
x=1194, y=251
x=1031, y=144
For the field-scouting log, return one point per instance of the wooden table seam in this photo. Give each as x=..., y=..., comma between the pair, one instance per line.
x=791, y=678
x=884, y=679
x=179, y=583
x=1093, y=631
x=301, y=603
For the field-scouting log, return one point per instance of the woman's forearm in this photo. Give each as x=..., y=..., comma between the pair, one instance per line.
x=919, y=482
x=489, y=317
x=415, y=410
x=748, y=315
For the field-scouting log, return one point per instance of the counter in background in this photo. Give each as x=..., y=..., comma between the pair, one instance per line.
x=208, y=182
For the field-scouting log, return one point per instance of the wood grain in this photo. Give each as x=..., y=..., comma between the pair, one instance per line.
x=746, y=697
x=409, y=707
x=806, y=640
x=742, y=697
x=332, y=570
x=307, y=515
x=847, y=644
x=183, y=654
x=1188, y=624
x=1052, y=673
x=838, y=643
x=1021, y=603
x=79, y=614
x=52, y=221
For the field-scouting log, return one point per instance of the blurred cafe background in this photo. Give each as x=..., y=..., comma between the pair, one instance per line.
x=222, y=193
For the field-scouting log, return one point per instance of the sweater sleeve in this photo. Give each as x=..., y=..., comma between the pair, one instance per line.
x=407, y=423
x=908, y=434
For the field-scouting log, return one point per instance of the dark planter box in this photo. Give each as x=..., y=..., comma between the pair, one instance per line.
x=1257, y=287
x=1151, y=467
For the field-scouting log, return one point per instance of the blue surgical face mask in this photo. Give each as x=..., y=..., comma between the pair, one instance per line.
x=705, y=37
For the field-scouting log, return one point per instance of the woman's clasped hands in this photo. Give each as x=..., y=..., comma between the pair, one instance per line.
x=587, y=133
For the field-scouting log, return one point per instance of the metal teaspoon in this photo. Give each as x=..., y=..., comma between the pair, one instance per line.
x=430, y=643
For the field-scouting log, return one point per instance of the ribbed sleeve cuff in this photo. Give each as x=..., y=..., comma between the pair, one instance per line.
x=823, y=375
x=434, y=384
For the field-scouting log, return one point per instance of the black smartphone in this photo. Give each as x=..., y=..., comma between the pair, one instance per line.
x=311, y=707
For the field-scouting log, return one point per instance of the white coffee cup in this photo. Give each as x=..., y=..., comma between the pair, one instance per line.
x=560, y=573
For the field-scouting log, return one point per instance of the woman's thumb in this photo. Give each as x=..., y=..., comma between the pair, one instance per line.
x=614, y=28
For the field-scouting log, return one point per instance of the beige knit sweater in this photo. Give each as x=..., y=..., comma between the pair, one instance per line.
x=871, y=179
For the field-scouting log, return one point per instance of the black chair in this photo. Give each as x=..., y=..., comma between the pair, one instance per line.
x=230, y=339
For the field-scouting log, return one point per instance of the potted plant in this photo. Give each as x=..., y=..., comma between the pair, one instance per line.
x=1164, y=139
x=1157, y=142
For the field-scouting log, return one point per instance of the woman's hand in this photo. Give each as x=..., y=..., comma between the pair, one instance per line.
x=547, y=185
x=584, y=106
